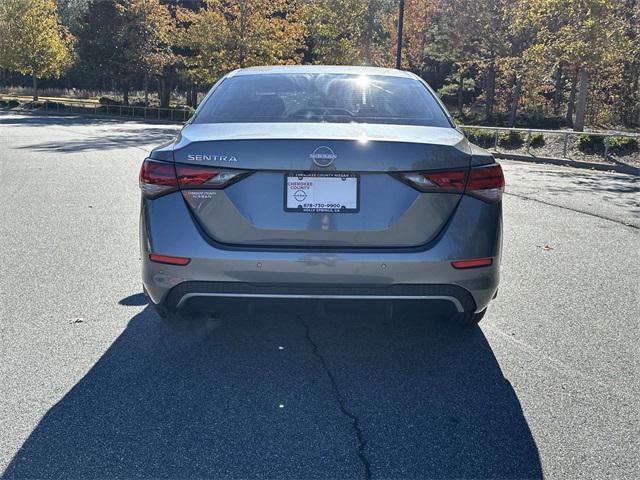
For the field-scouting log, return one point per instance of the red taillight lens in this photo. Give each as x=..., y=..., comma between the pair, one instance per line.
x=169, y=260
x=477, y=262
x=486, y=182
x=190, y=176
x=451, y=181
x=157, y=178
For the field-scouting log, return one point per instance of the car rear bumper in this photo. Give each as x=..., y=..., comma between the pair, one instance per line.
x=180, y=295
x=475, y=231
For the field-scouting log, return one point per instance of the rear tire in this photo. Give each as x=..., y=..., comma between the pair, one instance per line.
x=469, y=319
x=169, y=315
x=166, y=314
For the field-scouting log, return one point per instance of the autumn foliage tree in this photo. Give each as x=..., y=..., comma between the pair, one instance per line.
x=126, y=40
x=584, y=34
x=625, y=86
x=230, y=34
x=350, y=32
x=32, y=40
x=419, y=16
x=335, y=30
x=536, y=63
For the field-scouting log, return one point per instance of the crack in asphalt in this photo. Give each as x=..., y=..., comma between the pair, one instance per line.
x=602, y=217
x=355, y=421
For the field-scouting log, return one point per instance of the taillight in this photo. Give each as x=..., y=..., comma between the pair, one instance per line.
x=486, y=183
x=157, y=178
x=190, y=176
x=451, y=181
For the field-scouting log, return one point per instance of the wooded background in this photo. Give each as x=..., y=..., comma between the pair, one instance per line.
x=537, y=63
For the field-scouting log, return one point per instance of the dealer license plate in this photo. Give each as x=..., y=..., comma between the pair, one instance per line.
x=322, y=192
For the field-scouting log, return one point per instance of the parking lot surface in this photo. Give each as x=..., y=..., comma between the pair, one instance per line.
x=93, y=384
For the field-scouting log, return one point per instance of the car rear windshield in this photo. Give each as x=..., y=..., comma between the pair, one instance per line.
x=320, y=97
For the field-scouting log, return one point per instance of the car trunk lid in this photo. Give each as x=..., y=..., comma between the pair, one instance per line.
x=254, y=211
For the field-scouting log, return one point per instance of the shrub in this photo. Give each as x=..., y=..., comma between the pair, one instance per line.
x=152, y=113
x=50, y=105
x=622, y=144
x=537, y=140
x=189, y=109
x=108, y=101
x=456, y=117
x=176, y=113
x=482, y=138
x=449, y=91
x=32, y=105
x=529, y=120
x=590, y=143
x=9, y=103
x=474, y=117
x=511, y=139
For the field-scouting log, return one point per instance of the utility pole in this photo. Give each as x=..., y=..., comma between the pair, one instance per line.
x=400, y=25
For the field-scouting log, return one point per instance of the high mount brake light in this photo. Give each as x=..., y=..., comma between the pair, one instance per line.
x=158, y=178
x=485, y=182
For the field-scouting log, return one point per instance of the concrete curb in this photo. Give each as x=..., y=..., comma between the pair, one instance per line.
x=608, y=167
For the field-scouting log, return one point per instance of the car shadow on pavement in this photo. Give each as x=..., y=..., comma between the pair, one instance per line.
x=617, y=189
x=114, y=140
x=285, y=395
x=17, y=117
x=108, y=133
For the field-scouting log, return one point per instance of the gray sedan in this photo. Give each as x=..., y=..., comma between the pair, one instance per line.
x=321, y=183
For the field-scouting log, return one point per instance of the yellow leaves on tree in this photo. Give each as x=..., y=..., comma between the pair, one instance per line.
x=337, y=28
x=229, y=34
x=147, y=34
x=583, y=34
x=418, y=16
x=32, y=41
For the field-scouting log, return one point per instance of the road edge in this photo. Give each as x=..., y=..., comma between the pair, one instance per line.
x=607, y=167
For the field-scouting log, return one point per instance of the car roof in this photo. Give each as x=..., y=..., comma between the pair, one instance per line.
x=338, y=69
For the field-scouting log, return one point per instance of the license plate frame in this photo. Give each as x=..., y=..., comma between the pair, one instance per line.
x=321, y=207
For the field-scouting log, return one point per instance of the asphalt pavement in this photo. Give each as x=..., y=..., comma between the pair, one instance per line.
x=94, y=385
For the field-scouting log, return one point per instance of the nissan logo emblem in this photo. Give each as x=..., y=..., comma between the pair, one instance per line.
x=323, y=156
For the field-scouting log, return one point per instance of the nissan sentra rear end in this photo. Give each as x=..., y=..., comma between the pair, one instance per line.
x=324, y=183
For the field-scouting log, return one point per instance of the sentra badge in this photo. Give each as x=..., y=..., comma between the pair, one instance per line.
x=212, y=158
